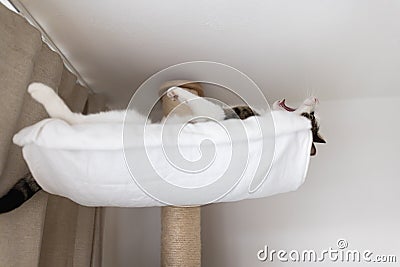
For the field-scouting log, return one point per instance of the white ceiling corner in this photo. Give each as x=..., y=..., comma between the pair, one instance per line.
x=334, y=49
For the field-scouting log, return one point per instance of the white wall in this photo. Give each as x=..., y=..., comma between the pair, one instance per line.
x=352, y=192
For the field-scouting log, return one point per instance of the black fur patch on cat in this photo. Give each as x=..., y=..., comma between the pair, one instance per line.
x=23, y=190
x=243, y=112
x=315, y=131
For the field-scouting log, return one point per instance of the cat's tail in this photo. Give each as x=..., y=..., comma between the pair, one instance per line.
x=23, y=190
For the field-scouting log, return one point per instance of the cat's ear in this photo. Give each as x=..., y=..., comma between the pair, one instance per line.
x=313, y=150
x=319, y=139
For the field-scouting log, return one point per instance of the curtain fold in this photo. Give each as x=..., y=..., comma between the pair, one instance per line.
x=22, y=56
x=95, y=103
x=47, y=230
x=19, y=46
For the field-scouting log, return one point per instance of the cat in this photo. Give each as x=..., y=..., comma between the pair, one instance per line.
x=200, y=106
x=26, y=187
x=306, y=109
x=56, y=108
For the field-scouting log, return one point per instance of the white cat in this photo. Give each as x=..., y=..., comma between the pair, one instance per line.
x=199, y=107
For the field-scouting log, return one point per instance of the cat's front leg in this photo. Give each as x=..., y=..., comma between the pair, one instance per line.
x=200, y=106
x=181, y=95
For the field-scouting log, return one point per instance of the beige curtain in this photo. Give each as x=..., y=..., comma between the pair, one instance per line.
x=47, y=230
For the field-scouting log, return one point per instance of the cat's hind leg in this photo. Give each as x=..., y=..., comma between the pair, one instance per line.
x=53, y=104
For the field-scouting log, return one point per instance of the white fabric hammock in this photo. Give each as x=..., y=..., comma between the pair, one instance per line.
x=86, y=162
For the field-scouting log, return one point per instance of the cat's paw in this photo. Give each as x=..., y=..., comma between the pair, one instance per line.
x=311, y=101
x=173, y=94
x=40, y=92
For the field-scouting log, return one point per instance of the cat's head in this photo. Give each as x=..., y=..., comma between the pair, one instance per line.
x=306, y=109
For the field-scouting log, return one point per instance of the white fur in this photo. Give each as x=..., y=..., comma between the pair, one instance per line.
x=308, y=106
x=276, y=106
x=56, y=108
x=200, y=107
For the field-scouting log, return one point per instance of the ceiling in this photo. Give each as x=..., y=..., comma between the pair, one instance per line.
x=334, y=49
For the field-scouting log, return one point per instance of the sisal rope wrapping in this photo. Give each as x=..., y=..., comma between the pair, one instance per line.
x=180, y=237
x=180, y=226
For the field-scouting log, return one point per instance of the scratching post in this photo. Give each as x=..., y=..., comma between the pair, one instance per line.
x=180, y=237
x=180, y=226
